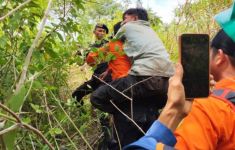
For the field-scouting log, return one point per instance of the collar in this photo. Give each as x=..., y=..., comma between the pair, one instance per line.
x=226, y=83
x=140, y=22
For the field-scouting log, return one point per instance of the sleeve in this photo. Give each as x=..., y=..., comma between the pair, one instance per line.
x=200, y=129
x=92, y=57
x=156, y=133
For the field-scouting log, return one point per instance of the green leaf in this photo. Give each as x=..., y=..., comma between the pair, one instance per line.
x=60, y=36
x=79, y=4
x=55, y=131
x=9, y=139
x=36, y=108
x=26, y=120
x=110, y=57
x=3, y=41
x=37, y=85
x=16, y=101
x=52, y=53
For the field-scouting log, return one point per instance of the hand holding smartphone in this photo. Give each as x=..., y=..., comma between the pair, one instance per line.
x=194, y=57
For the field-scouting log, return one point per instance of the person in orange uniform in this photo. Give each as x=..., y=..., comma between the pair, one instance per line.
x=119, y=65
x=211, y=123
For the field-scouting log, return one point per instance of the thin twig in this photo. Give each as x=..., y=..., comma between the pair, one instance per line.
x=64, y=9
x=127, y=116
x=14, y=10
x=10, y=112
x=31, y=49
x=5, y=65
x=32, y=142
x=9, y=118
x=93, y=2
x=97, y=139
x=21, y=124
x=47, y=36
x=119, y=143
x=53, y=30
x=132, y=114
x=13, y=127
x=125, y=97
x=14, y=67
x=65, y=132
x=84, y=139
x=112, y=87
x=27, y=94
x=48, y=111
x=137, y=83
x=36, y=131
x=37, y=74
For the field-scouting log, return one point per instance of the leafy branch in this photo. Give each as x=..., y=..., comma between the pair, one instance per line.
x=31, y=49
x=15, y=9
x=21, y=124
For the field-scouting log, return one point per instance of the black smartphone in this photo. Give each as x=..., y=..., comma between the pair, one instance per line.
x=194, y=56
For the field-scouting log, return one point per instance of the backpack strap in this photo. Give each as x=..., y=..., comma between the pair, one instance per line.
x=226, y=95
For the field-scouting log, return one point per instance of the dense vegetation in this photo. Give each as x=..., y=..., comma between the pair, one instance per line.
x=39, y=68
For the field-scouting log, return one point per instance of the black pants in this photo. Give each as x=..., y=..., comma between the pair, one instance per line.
x=127, y=132
x=145, y=89
x=149, y=94
x=92, y=84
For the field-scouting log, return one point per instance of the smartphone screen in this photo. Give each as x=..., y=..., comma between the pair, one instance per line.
x=195, y=61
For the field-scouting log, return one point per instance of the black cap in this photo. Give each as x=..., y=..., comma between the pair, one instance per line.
x=103, y=26
x=224, y=42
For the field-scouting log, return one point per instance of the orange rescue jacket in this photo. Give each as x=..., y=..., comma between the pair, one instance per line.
x=210, y=125
x=120, y=65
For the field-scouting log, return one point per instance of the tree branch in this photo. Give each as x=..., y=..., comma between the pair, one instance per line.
x=14, y=10
x=53, y=30
x=36, y=131
x=31, y=49
x=10, y=112
x=21, y=124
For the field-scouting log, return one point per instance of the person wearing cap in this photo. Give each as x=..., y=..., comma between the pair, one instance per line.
x=100, y=32
x=211, y=121
x=118, y=63
x=89, y=86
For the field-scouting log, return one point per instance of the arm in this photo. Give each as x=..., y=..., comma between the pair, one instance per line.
x=175, y=110
x=94, y=57
x=91, y=58
x=151, y=139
